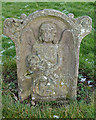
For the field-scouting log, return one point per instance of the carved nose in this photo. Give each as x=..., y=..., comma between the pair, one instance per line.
x=46, y=36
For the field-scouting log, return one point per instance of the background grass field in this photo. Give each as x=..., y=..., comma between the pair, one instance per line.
x=83, y=107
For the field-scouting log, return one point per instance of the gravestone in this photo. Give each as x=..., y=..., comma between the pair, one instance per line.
x=47, y=53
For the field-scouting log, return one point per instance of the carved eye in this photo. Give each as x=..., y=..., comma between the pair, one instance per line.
x=21, y=22
x=53, y=42
x=14, y=21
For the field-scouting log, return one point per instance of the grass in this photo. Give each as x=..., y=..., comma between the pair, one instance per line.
x=83, y=107
x=12, y=108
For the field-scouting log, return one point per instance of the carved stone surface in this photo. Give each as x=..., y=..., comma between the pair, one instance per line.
x=47, y=53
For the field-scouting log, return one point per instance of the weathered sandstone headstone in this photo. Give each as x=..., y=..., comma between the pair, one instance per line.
x=47, y=53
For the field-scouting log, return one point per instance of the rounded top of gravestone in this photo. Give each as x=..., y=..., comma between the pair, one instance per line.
x=80, y=26
x=49, y=13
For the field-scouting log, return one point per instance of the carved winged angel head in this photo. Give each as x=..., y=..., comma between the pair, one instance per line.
x=47, y=33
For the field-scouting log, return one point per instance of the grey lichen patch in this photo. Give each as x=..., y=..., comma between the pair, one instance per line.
x=47, y=49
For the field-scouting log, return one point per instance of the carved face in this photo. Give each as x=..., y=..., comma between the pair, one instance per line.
x=47, y=32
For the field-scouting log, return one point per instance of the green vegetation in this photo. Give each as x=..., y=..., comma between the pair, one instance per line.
x=83, y=107
x=14, y=109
